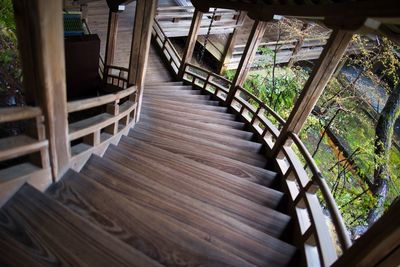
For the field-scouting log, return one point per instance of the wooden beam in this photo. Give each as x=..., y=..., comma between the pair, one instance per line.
x=315, y=85
x=40, y=34
x=230, y=44
x=255, y=37
x=111, y=42
x=190, y=42
x=144, y=17
x=378, y=245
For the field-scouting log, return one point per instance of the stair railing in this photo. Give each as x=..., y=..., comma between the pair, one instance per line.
x=106, y=119
x=302, y=180
x=23, y=157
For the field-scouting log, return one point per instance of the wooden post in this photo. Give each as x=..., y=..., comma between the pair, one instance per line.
x=190, y=42
x=144, y=17
x=255, y=37
x=315, y=85
x=111, y=42
x=230, y=44
x=41, y=43
x=379, y=246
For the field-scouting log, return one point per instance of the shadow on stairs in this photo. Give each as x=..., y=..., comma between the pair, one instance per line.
x=186, y=187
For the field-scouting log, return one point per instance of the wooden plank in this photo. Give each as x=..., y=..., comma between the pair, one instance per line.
x=315, y=85
x=160, y=230
x=20, y=145
x=41, y=46
x=18, y=113
x=50, y=234
x=256, y=35
x=190, y=42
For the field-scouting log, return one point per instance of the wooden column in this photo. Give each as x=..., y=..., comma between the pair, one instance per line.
x=41, y=43
x=230, y=44
x=191, y=41
x=111, y=42
x=315, y=85
x=255, y=37
x=144, y=17
x=379, y=246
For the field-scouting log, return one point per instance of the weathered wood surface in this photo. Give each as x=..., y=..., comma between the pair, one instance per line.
x=37, y=231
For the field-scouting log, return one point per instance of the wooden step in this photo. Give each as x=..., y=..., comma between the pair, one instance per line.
x=140, y=220
x=179, y=103
x=37, y=231
x=254, y=192
x=206, y=135
x=178, y=95
x=171, y=91
x=162, y=84
x=214, y=147
x=201, y=125
x=220, y=230
x=233, y=204
x=195, y=117
x=191, y=110
x=199, y=154
x=186, y=100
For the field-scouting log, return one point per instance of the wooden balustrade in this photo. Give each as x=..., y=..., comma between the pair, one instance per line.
x=168, y=50
x=116, y=76
x=25, y=156
x=301, y=177
x=95, y=133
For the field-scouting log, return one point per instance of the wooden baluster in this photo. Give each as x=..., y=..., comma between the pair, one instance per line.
x=40, y=34
x=113, y=109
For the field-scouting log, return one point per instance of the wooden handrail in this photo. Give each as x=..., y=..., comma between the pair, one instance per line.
x=10, y=114
x=325, y=191
x=92, y=102
x=306, y=186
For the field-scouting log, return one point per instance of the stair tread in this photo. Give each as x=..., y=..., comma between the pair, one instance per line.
x=37, y=231
x=180, y=103
x=192, y=110
x=226, y=164
x=185, y=100
x=169, y=184
x=141, y=221
x=201, y=125
x=209, y=175
x=215, y=147
x=195, y=117
x=207, y=135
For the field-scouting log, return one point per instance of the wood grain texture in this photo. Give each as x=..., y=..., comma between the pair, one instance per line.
x=36, y=231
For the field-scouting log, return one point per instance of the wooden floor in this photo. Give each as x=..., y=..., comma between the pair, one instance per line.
x=186, y=187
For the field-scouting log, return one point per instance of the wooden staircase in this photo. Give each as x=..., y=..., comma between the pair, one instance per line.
x=186, y=187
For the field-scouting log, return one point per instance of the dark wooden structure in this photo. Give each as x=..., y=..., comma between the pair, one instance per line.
x=205, y=176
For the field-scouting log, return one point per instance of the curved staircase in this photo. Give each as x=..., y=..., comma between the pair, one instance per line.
x=186, y=187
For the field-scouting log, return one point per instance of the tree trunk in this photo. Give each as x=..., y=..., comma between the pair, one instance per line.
x=383, y=142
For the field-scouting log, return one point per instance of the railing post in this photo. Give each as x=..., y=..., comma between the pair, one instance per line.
x=111, y=42
x=255, y=37
x=41, y=43
x=144, y=18
x=230, y=44
x=315, y=85
x=190, y=42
